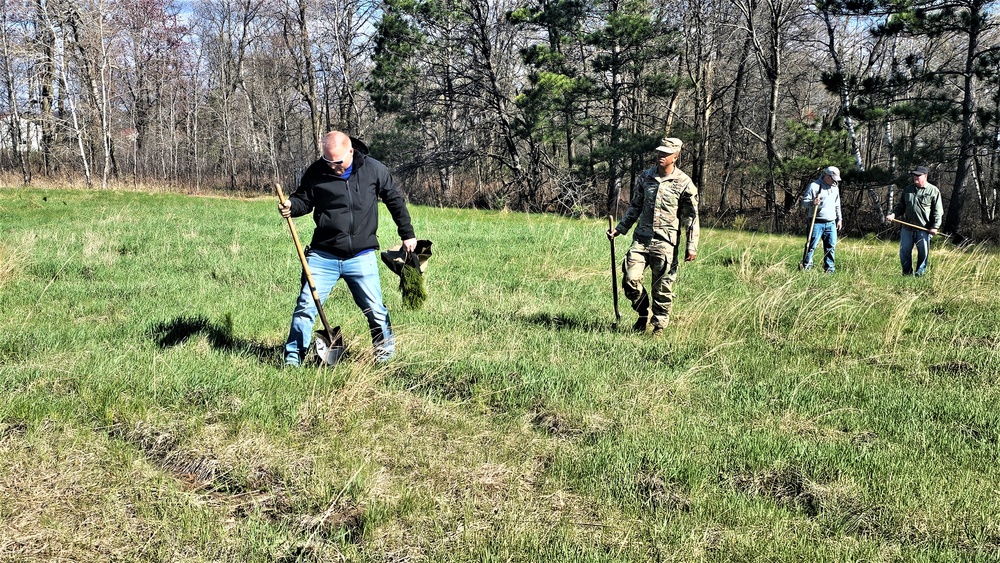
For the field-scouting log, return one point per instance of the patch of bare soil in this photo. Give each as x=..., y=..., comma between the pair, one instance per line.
x=252, y=489
x=955, y=368
x=661, y=495
x=12, y=430
x=451, y=386
x=787, y=487
x=343, y=520
x=553, y=423
x=866, y=520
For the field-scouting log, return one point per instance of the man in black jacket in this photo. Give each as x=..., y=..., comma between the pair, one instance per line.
x=342, y=190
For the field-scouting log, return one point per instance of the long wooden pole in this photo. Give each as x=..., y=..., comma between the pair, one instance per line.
x=305, y=267
x=812, y=229
x=614, y=272
x=912, y=226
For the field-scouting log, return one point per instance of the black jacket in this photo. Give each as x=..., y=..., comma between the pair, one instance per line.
x=346, y=211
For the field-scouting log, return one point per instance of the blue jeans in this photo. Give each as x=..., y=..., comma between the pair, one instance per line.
x=361, y=275
x=827, y=232
x=908, y=238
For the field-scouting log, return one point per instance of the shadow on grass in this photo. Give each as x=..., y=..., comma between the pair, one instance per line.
x=456, y=384
x=546, y=320
x=219, y=335
x=560, y=322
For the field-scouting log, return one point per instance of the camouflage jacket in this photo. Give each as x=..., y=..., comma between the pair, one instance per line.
x=662, y=205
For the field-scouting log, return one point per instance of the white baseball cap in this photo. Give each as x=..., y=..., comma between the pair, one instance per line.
x=669, y=145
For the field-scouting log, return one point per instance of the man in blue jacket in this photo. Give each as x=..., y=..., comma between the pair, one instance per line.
x=822, y=198
x=342, y=189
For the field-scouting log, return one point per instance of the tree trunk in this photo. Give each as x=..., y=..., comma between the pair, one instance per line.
x=46, y=84
x=306, y=83
x=733, y=126
x=15, y=119
x=96, y=80
x=614, y=182
x=770, y=136
x=845, y=102
x=994, y=180
x=60, y=74
x=981, y=194
x=704, y=122
x=966, y=150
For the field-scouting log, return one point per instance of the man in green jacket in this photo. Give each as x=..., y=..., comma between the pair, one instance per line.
x=919, y=205
x=663, y=200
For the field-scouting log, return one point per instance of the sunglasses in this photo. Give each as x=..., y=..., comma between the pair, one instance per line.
x=331, y=162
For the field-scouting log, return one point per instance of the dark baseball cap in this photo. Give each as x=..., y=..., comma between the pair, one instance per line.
x=918, y=171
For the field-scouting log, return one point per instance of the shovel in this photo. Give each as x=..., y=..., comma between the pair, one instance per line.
x=809, y=239
x=614, y=273
x=329, y=344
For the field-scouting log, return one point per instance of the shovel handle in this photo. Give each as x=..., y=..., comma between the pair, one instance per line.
x=295, y=235
x=912, y=226
x=614, y=271
x=812, y=227
x=305, y=265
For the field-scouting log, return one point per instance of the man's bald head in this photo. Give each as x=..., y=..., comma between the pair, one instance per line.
x=338, y=151
x=336, y=139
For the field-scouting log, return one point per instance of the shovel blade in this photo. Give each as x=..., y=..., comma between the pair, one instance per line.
x=329, y=350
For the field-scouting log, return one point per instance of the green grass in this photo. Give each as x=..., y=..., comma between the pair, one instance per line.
x=786, y=416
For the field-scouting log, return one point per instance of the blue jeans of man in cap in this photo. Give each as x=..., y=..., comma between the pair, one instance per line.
x=908, y=238
x=827, y=232
x=361, y=275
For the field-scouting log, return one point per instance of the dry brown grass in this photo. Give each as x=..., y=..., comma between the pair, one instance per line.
x=458, y=476
x=56, y=504
x=447, y=478
x=12, y=263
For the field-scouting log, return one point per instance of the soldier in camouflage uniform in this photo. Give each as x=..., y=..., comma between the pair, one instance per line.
x=663, y=200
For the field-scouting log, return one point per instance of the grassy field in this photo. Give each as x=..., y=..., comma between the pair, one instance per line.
x=785, y=416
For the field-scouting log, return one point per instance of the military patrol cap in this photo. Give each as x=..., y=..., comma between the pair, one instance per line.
x=669, y=145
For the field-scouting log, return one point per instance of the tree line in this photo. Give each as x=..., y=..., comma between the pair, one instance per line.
x=537, y=105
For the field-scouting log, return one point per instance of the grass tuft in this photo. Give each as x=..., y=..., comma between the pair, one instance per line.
x=411, y=284
x=787, y=487
x=12, y=263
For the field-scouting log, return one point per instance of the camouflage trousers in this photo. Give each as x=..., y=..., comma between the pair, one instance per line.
x=661, y=258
